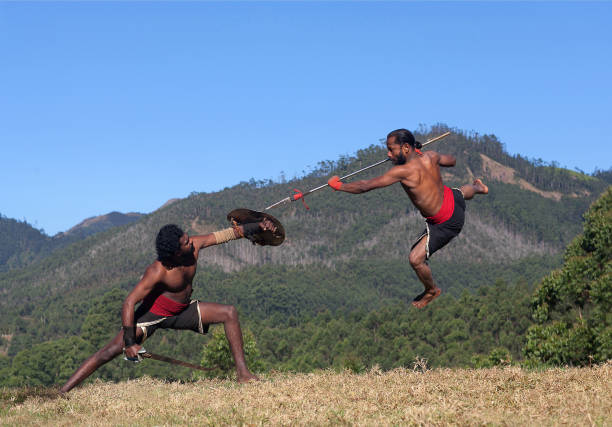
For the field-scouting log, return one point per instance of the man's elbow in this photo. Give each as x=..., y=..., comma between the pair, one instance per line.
x=448, y=162
x=128, y=305
x=209, y=240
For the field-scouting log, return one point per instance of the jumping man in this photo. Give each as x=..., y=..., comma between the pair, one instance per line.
x=443, y=208
x=165, y=291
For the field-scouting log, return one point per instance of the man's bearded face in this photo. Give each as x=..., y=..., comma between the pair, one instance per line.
x=399, y=160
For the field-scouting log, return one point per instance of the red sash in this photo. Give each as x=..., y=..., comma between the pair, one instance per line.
x=447, y=208
x=164, y=306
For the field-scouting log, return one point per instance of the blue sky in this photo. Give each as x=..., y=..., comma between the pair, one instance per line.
x=123, y=105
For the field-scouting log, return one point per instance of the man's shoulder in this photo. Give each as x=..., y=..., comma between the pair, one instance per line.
x=431, y=154
x=402, y=170
x=156, y=269
x=407, y=173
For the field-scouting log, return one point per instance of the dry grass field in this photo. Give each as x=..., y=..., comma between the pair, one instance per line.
x=508, y=396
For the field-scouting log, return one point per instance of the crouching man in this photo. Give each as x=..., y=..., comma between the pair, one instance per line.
x=165, y=291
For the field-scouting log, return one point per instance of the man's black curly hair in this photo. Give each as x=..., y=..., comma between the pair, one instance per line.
x=167, y=241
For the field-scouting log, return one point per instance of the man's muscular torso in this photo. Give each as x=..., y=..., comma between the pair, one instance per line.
x=421, y=180
x=176, y=281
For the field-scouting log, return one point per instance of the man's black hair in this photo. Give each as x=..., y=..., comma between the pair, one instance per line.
x=167, y=241
x=404, y=136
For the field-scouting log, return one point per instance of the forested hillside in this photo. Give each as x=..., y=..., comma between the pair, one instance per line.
x=21, y=244
x=344, y=262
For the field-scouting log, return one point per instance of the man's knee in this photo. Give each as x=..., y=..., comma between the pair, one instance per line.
x=416, y=259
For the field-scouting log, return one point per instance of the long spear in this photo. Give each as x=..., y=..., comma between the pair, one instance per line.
x=300, y=195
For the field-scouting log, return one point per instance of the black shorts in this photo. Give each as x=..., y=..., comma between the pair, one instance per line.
x=438, y=235
x=190, y=319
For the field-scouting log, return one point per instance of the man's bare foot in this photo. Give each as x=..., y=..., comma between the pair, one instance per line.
x=426, y=297
x=247, y=377
x=480, y=187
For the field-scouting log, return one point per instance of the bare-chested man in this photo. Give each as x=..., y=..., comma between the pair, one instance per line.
x=443, y=208
x=165, y=291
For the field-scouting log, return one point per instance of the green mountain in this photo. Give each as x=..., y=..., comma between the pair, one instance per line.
x=342, y=259
x=100, y=223
x=21, y=244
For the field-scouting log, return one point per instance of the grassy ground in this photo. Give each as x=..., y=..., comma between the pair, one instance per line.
x=509, y=396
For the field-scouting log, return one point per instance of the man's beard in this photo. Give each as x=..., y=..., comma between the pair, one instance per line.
x=400, y=160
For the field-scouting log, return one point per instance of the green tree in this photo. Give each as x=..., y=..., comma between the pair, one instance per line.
x=573, y=305
x=103, y=320
x=48, y=363
x=216, y=353
x=5, y=370
x=499, y=356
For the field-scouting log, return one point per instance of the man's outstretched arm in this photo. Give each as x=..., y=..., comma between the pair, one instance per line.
x=232, y=233
x=357, y=187
x=218, y=237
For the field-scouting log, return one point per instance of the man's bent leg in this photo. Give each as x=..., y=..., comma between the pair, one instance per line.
x=470, y=190
x=228, y=315
x=417, y=259
x=99, y=358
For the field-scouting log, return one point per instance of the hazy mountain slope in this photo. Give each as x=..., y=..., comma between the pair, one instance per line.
x=100, y=223
x=21, y=244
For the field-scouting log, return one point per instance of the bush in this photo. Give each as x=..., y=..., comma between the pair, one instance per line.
x=499, y=356
x=216, y=353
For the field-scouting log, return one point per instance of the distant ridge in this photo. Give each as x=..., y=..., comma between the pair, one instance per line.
x=169, y=202
x=99, y=223
x=21, y=244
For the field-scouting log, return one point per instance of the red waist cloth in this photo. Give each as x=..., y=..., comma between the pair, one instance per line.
x=164, y=306
x=447, y=208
